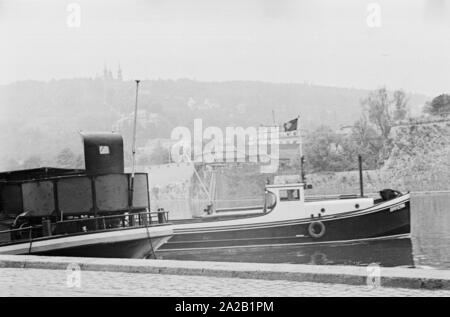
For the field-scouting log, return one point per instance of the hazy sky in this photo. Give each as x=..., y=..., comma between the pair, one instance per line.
x=319, y=41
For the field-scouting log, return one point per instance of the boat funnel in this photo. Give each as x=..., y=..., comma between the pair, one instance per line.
x=103, y=153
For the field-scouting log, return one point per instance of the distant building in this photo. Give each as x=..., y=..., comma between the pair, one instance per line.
x=108, y=74
x=119, y=73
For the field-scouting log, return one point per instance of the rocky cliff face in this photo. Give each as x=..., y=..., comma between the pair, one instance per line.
x=420, y=158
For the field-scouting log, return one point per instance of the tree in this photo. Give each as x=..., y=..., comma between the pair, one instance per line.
x=365, y=136
x=324, y=151
x=400, y=105
x=159, y=155
x=377, y=106
x=383, y=110
x=439, y=105
x=79, y=162
x=32, y=162
x=365, y=141
x=143, y=160
x=12, y=164
x=66, y=158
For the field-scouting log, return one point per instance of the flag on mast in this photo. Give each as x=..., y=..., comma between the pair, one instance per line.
x=289, y=132
x=289, y=140
x=291, y=125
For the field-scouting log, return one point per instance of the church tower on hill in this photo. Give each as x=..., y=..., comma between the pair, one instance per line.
x=119, y=73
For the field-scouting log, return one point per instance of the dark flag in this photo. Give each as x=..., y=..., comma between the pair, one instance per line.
x=290, y=125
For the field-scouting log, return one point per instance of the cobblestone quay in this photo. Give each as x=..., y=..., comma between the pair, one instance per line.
x=43, y=282
x=65, y=276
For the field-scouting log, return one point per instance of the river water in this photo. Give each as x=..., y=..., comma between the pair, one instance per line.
x=427, y=247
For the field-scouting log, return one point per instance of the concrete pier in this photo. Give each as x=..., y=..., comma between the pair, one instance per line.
x=404, y=278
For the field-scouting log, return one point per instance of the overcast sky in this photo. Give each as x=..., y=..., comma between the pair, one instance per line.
x=325, y=42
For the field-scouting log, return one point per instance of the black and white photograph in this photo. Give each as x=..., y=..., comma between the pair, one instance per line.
x=224, y=154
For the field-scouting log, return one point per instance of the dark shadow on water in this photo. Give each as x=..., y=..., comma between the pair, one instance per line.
x=387, y=253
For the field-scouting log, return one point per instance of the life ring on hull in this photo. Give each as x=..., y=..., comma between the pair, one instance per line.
x=312, y=229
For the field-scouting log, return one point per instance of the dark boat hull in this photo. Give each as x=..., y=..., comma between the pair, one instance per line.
x=386, y=221
x=120, y=243
x=134, y=249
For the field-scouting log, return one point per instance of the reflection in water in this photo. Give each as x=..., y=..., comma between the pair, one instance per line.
x=430, y=229
x=394, y=252
x=429, y=245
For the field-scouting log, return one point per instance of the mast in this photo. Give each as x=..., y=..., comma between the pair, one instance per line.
x=302, y=158
x=133, y=148
x=360, y=168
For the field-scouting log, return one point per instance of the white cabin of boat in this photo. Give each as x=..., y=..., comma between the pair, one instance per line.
x=286, y=201
x=290, y=201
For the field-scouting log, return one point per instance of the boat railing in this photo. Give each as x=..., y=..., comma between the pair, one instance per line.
x=135, y=219
x=338, y=197
x=243, y=208
x=22, y=234
x=84, y=225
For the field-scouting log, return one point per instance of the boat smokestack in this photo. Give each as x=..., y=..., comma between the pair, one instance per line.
x=103, y=153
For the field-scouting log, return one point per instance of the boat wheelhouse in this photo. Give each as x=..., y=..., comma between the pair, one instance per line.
x=99, y=211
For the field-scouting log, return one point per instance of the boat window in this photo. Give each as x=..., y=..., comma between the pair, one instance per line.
x=270, y=200
x=103, y=149
x=289, y=194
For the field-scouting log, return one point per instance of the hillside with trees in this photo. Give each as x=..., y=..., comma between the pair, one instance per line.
x=440, y=105
x=38, y=120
